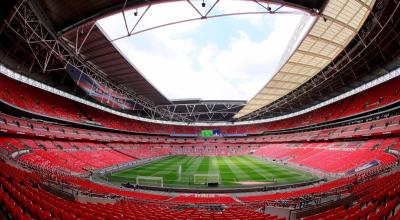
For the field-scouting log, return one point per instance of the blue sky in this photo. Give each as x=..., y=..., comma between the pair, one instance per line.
x=225, y=58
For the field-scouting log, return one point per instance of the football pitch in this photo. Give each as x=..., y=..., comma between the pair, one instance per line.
x=233, y=171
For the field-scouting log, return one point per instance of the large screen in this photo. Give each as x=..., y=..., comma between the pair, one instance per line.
x=210, y=133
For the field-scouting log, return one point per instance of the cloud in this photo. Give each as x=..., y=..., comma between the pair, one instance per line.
x=180, y=65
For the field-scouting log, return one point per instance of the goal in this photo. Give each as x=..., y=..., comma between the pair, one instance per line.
x=205, y=178
x=150, y=181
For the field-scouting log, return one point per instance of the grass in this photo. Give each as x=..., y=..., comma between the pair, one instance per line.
x=232, y=170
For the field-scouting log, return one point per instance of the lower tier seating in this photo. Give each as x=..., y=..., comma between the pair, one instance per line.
x=78, y=161
x=332, y=157
x=80, y=157
x=22, y=198
x=379, y=200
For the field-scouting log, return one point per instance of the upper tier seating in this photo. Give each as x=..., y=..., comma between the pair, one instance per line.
x=39, y=101
x=31, y=98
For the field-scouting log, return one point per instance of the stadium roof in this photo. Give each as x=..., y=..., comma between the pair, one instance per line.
x=76, y=21
x=366, y=55
x=335, y=28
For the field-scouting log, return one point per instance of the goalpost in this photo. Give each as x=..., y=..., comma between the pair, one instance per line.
x=206, y=178
x=150, y=181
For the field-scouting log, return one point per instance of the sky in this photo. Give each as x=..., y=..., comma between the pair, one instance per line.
x=222, y=58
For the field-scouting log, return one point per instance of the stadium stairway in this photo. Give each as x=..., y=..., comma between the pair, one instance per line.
x=123, y=153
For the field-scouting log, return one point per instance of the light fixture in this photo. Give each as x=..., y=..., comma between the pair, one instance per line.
x=203, y=4
x=135, y=13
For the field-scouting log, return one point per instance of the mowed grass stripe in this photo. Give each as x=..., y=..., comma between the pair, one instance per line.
x=281, y=173
x=226, y=174
x=240, y=175
x=252, y=170
x=213, y=166
x=268, y=170
x=203, y=168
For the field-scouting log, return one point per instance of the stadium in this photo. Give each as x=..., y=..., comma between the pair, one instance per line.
x=200, y=109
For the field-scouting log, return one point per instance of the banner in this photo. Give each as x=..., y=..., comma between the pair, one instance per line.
x=364, y=167
x=99, y=92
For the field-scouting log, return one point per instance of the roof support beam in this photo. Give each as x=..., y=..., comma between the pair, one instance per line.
x=303, y=65
x=284, y=81
x=364, y=5
x=354, y=30
x=294, y=74
x=280, y=88
x=314, y=54
x=324, y=41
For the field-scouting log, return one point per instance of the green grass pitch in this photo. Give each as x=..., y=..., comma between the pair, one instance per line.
x=233, y=171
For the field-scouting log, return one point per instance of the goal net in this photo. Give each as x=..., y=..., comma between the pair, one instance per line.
x=205, y=178
x=150, y=181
